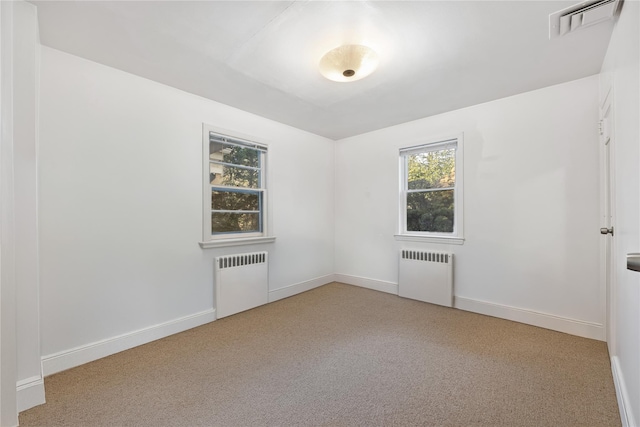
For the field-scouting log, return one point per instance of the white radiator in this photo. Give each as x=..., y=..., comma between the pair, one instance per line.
x=242, y=282
x=426, y=276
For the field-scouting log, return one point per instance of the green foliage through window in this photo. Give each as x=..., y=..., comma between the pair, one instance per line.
x=430, y=211
x=235, y=175
x=430, y=190
x=227, y=222
x=434, y=169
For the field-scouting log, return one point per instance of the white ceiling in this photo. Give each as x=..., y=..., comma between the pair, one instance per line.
x=262, y=56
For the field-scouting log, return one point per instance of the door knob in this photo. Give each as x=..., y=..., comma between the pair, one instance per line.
x=606, y=230
x=633, y=262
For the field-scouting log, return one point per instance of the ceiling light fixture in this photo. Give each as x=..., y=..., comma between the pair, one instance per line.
x=348, y=63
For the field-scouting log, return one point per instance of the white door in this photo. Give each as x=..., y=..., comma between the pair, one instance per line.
x=607, y=228
x=620, y=146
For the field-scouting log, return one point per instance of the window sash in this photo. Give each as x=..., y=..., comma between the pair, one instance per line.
x=424, y=190
x=406, y=211
x=258, y=191
x=243, y=232
x=427, y=148
x=212, y=135
x=259, y=212
x=239, y=211
x=404, y=154
x=235, y=165
x=255, y=181
x=225, y=139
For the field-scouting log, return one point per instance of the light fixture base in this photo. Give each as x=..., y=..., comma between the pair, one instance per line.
x=348, y=63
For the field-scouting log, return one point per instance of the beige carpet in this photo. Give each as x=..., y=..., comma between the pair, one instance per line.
x=342, y=356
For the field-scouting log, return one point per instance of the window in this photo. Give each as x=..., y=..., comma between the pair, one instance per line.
x=431, y=192
x=235, y=191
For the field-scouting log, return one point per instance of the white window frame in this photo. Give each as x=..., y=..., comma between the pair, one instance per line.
x=457, y=236
x=233, y=239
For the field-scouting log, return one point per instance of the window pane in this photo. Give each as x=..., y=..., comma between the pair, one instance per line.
x=233, y=177
x=233, y=154
x=222, y=222
x=434, y=169
x=235, y=201
x=430, y=211
x=215, y=174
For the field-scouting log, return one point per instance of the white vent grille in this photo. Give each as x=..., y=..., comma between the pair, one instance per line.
x=240, y=260
x=426, y=276
x=426, y=256
x=242, y=282
x=581, y=15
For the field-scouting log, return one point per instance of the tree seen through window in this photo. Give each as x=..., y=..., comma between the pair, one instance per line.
x=236, y=196
x=431, y=185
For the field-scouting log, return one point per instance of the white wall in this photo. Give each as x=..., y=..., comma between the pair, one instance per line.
x=121, y=207
x=26, y=59
x=621, y=70
x=530, y=207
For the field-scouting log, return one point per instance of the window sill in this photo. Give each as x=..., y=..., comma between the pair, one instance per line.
x=223, y=243
x=430, y=239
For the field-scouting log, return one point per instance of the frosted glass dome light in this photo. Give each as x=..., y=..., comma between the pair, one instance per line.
x=348, y=63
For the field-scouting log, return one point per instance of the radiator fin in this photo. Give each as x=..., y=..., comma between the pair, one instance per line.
x=241, y=260
x=427, y=256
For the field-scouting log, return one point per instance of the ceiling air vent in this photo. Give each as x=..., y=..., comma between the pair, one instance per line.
x=580, y=16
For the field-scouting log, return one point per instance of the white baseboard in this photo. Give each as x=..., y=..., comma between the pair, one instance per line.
x=67, y=359
x=580, y=328
x=556, y=323
x=297, y=288
x=626, y=416
x=30, y=393
x=363, y=282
